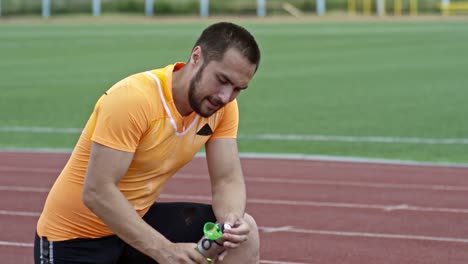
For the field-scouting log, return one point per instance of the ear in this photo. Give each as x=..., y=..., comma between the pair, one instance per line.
x=196, y=58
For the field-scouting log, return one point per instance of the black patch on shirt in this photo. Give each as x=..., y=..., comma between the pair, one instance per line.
x=205, y=130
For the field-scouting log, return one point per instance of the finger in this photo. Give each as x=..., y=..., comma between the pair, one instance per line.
x=230, y=245
x=242, y=229
x=198, y=258
x=194, y=255
x=221, y=257
x=233, y=241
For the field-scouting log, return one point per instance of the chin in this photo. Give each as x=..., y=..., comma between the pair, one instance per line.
x=207, y=112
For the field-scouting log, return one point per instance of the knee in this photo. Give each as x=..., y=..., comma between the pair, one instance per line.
x=253, y=241
x=253, y=237
x=251, y=222
x=249, y=251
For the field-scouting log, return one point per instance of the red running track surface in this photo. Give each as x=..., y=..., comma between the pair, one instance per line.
x=308, y=211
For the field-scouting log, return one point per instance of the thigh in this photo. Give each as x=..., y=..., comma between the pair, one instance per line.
x=106, y=250
x=178, y=222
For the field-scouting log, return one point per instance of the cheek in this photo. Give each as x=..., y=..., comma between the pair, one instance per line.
x=210, y=86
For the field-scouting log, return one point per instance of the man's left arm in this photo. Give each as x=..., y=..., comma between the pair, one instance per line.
x=228, y=188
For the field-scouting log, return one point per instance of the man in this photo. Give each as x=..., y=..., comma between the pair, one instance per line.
x=102, y=207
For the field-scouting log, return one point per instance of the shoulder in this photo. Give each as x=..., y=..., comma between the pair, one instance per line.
x=135, y=90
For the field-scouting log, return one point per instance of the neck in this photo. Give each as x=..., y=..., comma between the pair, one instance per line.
x=180, y=87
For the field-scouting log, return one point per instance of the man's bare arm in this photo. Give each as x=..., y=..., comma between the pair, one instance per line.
x=227, y=180
x=100, y=193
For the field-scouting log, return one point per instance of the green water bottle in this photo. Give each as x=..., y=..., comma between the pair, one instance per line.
x=211, y=244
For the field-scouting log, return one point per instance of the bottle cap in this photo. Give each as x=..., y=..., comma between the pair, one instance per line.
x=213, y=231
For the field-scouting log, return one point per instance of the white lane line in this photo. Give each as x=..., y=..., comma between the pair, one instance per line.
x=24, y=189
x=337, y=183
x=15, y=244
x=371, y=235
x=371, y=139
x=19, y=213
x=323, y=232
x=276, y=229
x=328, y=204
x=399, y=207
x=285, y=156
x=280, y=156
x=30, y=245
x=280, y=262
x=29, y=170
x=273, y=137
x=40, y=130
x=287, y=181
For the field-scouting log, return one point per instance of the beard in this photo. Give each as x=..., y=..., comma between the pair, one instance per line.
x=196, y=99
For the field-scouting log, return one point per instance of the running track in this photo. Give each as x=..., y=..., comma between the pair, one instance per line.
x=309, y=211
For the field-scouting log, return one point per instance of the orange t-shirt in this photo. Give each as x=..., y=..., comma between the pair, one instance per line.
x=137, y=115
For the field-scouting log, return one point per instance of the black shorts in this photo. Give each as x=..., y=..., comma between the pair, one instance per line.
x=178, y=222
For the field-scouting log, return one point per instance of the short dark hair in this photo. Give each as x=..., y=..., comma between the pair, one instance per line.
x=216, y=39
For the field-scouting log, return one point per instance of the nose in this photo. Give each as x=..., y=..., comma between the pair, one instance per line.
x=225, y=94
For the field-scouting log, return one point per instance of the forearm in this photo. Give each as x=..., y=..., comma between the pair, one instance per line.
x=227, y=180
x=115, y=211
x=229, y=198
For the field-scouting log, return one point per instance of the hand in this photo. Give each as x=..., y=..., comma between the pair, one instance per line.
x=233, y=237
x=183, y=253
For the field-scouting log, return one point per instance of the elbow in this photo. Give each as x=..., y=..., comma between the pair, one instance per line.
x=89, y=196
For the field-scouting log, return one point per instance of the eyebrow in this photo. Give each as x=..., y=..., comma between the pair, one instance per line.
x=229, y=81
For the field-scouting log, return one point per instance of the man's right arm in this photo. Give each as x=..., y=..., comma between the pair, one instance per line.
x=100, y=194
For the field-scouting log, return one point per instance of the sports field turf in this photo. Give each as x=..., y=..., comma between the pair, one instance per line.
x=395, y=90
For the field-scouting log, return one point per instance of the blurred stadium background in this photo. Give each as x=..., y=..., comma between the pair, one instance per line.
x=351, y=82
x=235, y=7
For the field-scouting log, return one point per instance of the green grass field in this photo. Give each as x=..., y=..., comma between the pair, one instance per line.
x=403, y=80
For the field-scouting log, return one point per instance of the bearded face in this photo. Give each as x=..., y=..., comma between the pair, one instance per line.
x=217, y=83
x=204, y=105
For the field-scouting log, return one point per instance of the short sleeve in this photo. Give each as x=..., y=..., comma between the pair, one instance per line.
x=121, y=117
x=229, y=122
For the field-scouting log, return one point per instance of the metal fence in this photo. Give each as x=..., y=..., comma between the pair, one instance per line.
x=206, y=8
